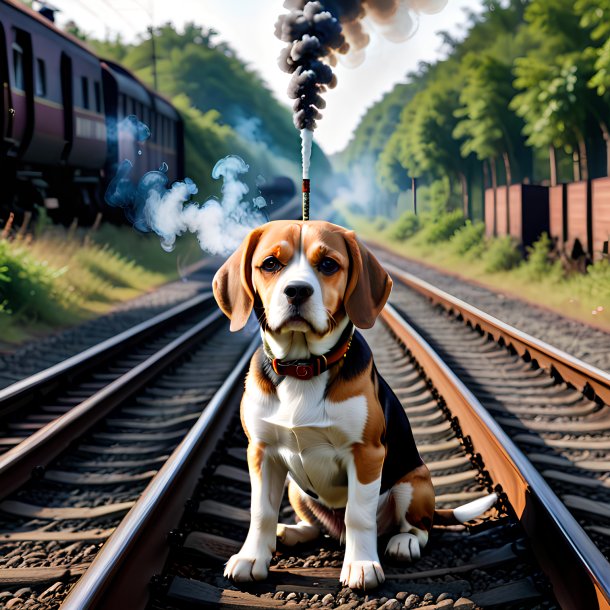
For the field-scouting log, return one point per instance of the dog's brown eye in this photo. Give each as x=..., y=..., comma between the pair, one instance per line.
x=328, y=266
x=271, y=264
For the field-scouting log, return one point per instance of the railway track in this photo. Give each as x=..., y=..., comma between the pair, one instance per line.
x=142, y=505
x=554, y=407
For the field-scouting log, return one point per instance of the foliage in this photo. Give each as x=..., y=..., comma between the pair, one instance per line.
x=53, y=280
x=528, y=76
x=405, y=226
x=540, y=263
x=469, y=239
x=502, y=254
x=28, y=286
x=442, y=227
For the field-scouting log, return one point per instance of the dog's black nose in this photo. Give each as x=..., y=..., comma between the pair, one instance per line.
x=298, y=292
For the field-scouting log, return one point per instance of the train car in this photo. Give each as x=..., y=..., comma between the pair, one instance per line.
x=53, y=121
x=167, y=137
x=60, y=117
x=521, y=211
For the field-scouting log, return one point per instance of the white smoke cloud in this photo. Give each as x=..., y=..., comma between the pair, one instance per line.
x=220, y=225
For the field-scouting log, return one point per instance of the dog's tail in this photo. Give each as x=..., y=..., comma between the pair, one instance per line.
x=466, y=512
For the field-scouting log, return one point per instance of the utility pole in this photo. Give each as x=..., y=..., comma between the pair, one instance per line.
x=151, y=29
x=414, y=188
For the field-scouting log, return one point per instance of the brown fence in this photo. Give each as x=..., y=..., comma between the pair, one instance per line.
x=527, y=215
x=578, y=218
x=600, y=216
x=490, y=213
x=576, y=215
x=558, y=221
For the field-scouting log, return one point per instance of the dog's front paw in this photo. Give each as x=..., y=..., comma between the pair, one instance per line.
x=362, y=574
x=404, y=547
x=242, y=568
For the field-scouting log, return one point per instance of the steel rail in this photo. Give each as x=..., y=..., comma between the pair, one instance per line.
x=579, y=573
x=42, y=383
x=585, y=377
x=18, y=464
x=120, y=573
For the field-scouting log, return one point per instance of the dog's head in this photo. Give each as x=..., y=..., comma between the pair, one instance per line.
x=303, y=277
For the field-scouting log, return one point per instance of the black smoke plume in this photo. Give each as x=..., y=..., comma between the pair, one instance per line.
x=316, y=31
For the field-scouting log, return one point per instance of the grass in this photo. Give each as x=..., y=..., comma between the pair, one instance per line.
x=497, y=263
x=58, y=277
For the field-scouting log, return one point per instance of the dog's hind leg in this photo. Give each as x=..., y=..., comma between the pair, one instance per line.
x=413, y=499
x=306, y=529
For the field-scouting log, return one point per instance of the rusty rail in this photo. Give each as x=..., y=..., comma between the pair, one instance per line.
x=578, y=571
x=119, y=576
x=585, y=377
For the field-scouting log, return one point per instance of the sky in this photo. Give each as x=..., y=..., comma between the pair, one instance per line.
x=248, y=26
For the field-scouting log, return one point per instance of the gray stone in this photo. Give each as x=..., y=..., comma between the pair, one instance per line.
x=328, y=599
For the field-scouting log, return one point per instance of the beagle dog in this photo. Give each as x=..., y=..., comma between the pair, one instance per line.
x=315, y=408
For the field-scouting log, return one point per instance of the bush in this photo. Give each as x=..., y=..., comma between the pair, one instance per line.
x=442, y=227
x=469, y=239
x=539, y=264
x=405, y=226
x=29, y=287
x=502, y=254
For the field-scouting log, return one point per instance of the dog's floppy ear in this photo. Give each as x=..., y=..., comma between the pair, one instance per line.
x=368, y=287
x=233, y=288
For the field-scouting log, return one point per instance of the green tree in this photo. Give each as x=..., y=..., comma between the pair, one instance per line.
x=553, y=77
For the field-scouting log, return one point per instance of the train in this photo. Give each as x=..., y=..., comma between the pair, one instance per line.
x=65, y=117
x=576, y=216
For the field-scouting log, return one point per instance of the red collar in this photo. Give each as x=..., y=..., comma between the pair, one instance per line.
x=311, y=367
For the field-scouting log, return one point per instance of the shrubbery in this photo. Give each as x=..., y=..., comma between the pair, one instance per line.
x=407, y=225
x=502, y=254
x=441, y=227
x=28, y=287
x=469, y=239
x=540, y=264
x=60, y=278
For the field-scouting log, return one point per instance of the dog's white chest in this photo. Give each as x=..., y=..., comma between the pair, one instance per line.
x=312, y=436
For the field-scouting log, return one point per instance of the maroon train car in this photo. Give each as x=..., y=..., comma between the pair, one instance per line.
x=584, y=208
x=524, y=216
x=52, y=112
x=126, y=96
x=59, y=122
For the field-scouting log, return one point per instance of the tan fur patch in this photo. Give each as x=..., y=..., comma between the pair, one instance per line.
x=421, y=510
x=299, y=503
x=256, y=453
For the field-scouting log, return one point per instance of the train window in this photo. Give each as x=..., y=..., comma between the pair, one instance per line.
x=84, y=81
x=18, y=67
x=134, y=109
x=97, y=90
x=41, y=78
